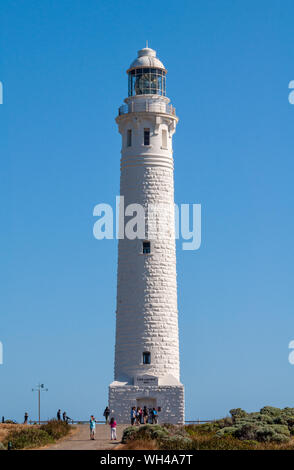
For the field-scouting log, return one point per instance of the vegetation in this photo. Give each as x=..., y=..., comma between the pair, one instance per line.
x=26, y=437
x=270, y=428
x=56, y=429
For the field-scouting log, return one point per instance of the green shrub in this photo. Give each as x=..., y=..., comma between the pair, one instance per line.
x=176, y=442
x=203, y=428
x=176, y=430
x=152, y=431
x=225, y=422
x=269, y=428
x=271, y=410
x=56, y=428
x=226, y=431
x=129, y=434
x=273, y=433
x=27, y=438
x=31, y=436
x=237, y=413
x=149, y=432
x=280, y=438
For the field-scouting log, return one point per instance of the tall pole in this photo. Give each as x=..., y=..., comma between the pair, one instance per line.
x=39, y=388
x=39, y=407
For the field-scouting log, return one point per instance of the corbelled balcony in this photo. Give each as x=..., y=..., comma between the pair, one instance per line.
x=146, y=106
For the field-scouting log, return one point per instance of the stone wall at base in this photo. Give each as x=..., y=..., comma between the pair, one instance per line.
x=169, y=397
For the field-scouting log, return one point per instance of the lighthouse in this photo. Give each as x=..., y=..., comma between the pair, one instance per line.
x=147, y=368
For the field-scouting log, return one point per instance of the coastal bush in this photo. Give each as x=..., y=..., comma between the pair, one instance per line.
x=230, y=430
x=167, y=436
x=269, y=428
x=28, y=438
x=56, y=428
x=273, y=433
x=35, y=436
x=237, y=413
x=152, y=431
x=175, y=442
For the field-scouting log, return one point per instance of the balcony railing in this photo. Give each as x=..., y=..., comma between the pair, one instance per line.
x=146, y=106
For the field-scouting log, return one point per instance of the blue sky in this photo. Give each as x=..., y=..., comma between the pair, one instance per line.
x=62, y=65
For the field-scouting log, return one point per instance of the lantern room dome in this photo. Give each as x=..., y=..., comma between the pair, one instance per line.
x=146, y=58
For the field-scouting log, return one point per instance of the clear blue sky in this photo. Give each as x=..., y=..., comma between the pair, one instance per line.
x=62, y=64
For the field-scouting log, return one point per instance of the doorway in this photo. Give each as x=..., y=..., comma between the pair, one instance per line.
x=149, y=403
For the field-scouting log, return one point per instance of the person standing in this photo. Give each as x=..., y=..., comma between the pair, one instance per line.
x=92, y=427
x=154, y=416
x=133, y=415
x=145, y=414
x=112, y=429
x=59, y=415
x=106, y=414
x=26, y=417
x=150, y=416
x=138, y=416
x=64, y=416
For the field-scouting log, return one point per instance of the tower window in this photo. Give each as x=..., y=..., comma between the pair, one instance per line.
x=146, y=358
x=164, y=138
x=129, y=138
x=146, y=136
x=146, y=248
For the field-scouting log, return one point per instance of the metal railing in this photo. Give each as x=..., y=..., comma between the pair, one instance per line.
x=146, y=106
x=77, y=421
x=199, y=421
x=69, y=421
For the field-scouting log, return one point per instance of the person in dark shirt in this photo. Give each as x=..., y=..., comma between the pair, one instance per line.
x=106, y=414
x=145, y=414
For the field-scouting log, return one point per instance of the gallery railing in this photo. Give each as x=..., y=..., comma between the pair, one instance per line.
x=146, y=106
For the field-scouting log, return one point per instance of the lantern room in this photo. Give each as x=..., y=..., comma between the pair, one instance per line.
x=147, y=74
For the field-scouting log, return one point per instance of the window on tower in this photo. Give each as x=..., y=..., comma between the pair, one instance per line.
x=146, y=248
x=146, y=136
x=129, y=138
x=164, y=138
x=146, y=358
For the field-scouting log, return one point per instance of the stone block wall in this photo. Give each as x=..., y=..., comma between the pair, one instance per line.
x=169, y=397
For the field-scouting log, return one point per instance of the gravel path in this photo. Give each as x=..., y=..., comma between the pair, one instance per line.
x=80, y=439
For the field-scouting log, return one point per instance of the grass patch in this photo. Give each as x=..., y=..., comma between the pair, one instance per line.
x=141, y=444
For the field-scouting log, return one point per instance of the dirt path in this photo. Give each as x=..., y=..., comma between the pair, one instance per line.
x=80, y=439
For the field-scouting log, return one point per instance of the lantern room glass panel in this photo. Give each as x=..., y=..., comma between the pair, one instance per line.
x=146, y=81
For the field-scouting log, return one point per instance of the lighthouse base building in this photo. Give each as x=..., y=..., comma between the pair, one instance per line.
x=169, y=399
x=147, y=366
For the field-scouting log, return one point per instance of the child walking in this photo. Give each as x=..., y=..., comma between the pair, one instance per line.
x=113, y=429
x=92, y=427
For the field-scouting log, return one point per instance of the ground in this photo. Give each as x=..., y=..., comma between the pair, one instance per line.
x=80, y=439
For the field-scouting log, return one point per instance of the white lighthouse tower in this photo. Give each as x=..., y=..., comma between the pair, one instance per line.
x=147, y=343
